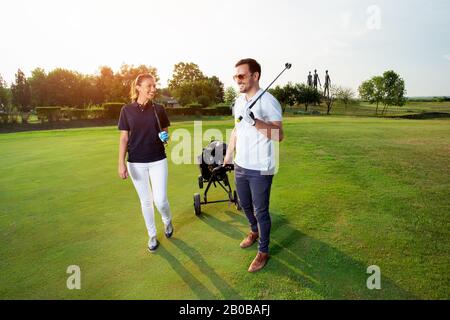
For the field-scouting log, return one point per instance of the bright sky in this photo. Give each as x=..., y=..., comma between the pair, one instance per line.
x=353, y=39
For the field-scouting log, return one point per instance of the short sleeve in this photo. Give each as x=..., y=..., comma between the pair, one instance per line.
x=163, y=118
x=123, y=122
x=272, y=112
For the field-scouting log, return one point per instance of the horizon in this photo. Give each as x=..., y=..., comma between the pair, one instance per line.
x=405, y=36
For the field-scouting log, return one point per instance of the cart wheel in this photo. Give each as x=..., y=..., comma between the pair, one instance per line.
x=200, y=182
x=197, y=204
x=236, y=201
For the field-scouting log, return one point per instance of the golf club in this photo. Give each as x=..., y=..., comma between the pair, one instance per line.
x=286, y=66
x=159, y=123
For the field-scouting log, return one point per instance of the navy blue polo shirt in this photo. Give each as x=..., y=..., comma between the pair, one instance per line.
x=144, y=144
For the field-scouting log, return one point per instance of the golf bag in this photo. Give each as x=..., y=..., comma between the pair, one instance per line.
x=213, y=172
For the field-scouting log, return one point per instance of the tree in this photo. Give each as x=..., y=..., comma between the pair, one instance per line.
x=63, y=88
x=164, y=92
x=205, y=92
x=21, y=94
x=334, y=90
x=105, y=84
x=215, y=82
x=184, y=93
x=306, y=95
x=184, y=73
x=88, y=93
x=345, y=95
x=372, y=91
x=39, y=87
x=394, y=90
x=5, y=98
x=285, y=95
x=230, y=95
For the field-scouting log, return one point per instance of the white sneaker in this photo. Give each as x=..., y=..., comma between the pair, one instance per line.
x=152, y=244
x=168, y=230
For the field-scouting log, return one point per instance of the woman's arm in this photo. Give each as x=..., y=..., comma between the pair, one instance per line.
x=123, y=145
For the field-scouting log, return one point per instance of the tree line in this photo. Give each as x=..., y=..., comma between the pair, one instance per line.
x=387, y=89
x=62, y=87
x=188, y=85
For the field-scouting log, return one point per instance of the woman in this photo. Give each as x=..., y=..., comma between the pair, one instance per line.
x=143, y=129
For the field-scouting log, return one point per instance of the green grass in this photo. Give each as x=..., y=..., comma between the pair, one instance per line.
x=356, y=108
x=361, y=108
x=350, y=193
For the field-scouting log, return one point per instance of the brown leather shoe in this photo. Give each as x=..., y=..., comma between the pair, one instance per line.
x=259, y=262
x=249, y=240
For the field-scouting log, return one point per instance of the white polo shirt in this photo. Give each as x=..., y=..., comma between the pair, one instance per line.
x=254, y=150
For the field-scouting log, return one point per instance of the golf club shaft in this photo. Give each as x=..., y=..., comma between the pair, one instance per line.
x=254, y=102
x=157, y=120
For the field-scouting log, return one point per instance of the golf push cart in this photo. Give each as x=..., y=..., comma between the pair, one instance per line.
x=212, y=171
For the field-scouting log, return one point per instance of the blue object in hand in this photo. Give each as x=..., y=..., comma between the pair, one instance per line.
x=164, y=136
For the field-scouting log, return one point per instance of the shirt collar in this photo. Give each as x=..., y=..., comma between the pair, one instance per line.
x=257, y=94
x=254, y=97
x=143, y=107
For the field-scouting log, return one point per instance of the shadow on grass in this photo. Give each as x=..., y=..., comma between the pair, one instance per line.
x=196, y=286
x=323, y=268
x=231, y=230
x=309, y=262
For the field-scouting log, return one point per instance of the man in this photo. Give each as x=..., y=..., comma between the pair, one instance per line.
x=254, y=164
x=310, y=81
x=326, y=91
x=316, y=79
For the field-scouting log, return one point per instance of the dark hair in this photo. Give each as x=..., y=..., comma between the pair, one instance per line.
x=253, y=65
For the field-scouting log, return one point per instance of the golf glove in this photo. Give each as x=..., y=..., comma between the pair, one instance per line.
x=249, y=116
x=164, y=136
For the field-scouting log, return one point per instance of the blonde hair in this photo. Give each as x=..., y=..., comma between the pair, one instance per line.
x=134, y=94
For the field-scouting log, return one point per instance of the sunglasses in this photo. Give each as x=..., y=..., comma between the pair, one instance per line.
x=240, y=76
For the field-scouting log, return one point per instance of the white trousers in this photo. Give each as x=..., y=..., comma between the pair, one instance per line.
x=150, y=181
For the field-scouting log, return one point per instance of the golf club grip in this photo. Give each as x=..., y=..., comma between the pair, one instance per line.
x=254, y=102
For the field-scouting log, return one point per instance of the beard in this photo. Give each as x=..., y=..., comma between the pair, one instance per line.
x=243, y=88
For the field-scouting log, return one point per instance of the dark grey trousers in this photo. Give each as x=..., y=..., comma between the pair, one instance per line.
x=253, y=190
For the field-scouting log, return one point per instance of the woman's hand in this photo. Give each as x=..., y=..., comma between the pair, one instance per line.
x=123, y=172
x=164, y=136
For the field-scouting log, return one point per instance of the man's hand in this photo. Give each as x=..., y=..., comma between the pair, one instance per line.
x=123, y=172
x=249, y=116
x=228, y=159
x=164, y=136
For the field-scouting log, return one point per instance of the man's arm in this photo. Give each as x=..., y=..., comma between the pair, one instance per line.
x=230, y=150
x=271, y=129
